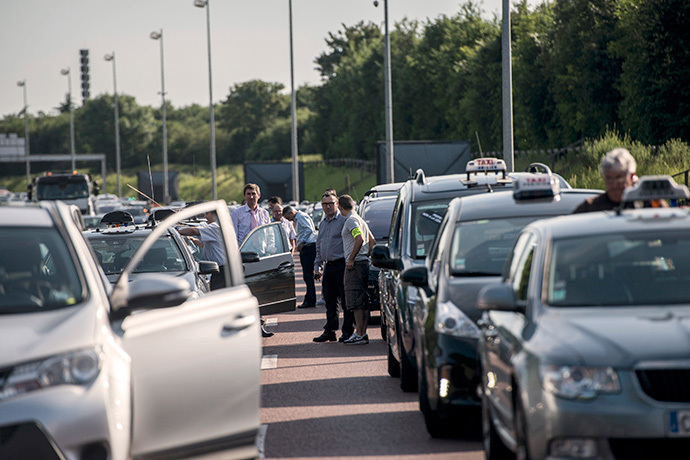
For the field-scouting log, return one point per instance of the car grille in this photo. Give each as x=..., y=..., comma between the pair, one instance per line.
x=668, y=385
x=635, y=449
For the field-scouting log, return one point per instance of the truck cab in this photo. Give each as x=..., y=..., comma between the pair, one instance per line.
x=71, y=187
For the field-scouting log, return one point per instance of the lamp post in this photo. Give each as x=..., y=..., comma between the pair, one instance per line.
x=507, y=93
x=390, y=176
x=293, y=112
x=166, y=199
x=25, y=110
x=111, y=58
x=71, y=116
x=212, y=123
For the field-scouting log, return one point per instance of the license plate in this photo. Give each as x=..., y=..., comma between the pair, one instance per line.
x=679, y=423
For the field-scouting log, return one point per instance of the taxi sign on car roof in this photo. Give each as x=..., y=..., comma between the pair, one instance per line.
x=536, y=186
x=485, y=165
x=118, y=222
x=660, y=187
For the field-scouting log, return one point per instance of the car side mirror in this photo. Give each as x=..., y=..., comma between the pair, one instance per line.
x=152, y=291
x=380, y=257
x=250, y=257
x=499, y=297
x=206, y=267
x=416, y=276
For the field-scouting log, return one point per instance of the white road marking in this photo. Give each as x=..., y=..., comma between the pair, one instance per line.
x=261, y=439
x=269, y=362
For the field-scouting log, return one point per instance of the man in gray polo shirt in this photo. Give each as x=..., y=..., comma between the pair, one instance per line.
x=329, y=254
x=357, y=245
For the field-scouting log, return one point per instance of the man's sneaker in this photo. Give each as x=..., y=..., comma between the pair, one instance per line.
x=357, y=339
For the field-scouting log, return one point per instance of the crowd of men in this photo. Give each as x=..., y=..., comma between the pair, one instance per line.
x=337, y=255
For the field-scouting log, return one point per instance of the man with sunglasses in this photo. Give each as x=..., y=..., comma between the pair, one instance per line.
x=330, y=256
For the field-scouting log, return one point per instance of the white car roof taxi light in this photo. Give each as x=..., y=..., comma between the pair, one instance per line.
x=485, y=165
x=537, y=186
x=660, y=187
x=118, y=222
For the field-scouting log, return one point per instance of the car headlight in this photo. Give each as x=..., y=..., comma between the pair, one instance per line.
x=451, y=320
x=79, y=367
x=579, y=382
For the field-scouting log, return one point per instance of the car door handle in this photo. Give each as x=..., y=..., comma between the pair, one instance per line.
x=285, y=265
x=238, y=324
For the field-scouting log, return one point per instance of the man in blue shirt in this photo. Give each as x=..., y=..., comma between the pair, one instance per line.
x=306, y=245
x=249, y=216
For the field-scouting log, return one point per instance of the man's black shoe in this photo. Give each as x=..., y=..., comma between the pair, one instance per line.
x=326, y=337
x=265, y=333
x=306, y=305
x=344, y=337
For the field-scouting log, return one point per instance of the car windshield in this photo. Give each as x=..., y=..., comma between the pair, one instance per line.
x=481, y=247
x=426, y=217
x=114, y=251
x=37, y=272
x=377, y=214
x=62, y=188
x=620, y=269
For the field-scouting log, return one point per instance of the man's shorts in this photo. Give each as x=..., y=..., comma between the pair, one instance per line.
x=355, y=284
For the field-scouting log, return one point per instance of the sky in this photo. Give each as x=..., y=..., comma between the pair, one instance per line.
x=249, y=40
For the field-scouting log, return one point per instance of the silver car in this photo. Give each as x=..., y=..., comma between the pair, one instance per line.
x=585, y=345
x=136, y=369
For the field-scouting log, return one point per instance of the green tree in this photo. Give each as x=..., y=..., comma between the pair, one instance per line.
x=654, y=44
x=250, y=108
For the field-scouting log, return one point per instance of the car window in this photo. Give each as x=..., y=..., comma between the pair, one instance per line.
x=114, y=251
x=436, y=253
x=396, y=231
x=633, y=269
x=426, y=217
x=265, y=241
x=377, y=214
x=521, y=264
x=37, y=272
x=481, y=247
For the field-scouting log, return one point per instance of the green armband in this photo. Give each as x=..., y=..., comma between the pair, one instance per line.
x=356, y=232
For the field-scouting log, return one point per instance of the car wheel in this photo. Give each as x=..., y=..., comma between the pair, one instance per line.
x=436, y=426
x=393, y=364
x=408, y=376
x=521, y=450
x=494, y=448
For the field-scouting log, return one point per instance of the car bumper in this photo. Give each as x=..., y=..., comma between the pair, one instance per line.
x=69, y=421
x=455, y=370
x=624, y=425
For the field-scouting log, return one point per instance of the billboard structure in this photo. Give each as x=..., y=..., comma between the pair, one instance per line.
x=273, y=178
x=436, y=158
x=144, y=185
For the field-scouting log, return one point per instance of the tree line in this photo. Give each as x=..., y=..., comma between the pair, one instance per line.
x=581, y=68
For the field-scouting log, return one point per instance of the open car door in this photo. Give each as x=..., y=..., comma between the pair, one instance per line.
x=269, y=268
x=195, y=366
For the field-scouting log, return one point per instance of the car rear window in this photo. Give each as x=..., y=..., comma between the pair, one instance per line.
x=620, y=269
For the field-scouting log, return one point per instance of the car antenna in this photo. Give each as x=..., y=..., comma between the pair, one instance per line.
x=481, y=155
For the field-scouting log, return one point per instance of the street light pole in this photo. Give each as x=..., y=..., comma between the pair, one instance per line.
x=390, y=168
x=71, y=116
x=26, y=133
x=507, y=79
x=212, y=123
x=111, y=57
x=293, y=111
x=166, y=198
